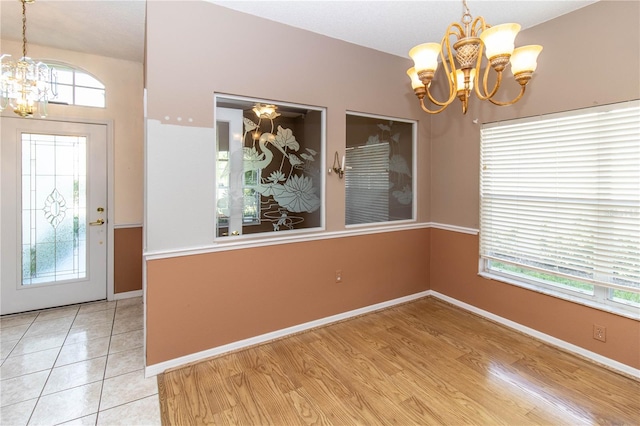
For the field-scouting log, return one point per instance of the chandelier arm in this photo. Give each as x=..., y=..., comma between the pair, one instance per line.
x=450, y=71
x=452, y=91
x=483, y=26
x=427, y=110
x=436, y=102
x=476, y=80
x=458, y=27
x=486, y=94
x=516, y=99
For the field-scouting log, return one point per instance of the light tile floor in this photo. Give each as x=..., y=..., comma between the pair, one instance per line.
x=80, y=365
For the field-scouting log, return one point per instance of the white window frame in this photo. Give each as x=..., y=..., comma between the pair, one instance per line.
x=492, y=192
x=320, y=183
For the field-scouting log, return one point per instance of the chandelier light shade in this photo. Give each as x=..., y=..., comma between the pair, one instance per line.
x=25, y=85
x=462, y=60
x=416, y=84
x=460, y=80
x=524, y=59
x=265, y=111
x=499, y=41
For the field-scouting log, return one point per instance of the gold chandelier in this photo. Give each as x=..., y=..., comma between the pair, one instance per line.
x=472, y=38
x=25, y=85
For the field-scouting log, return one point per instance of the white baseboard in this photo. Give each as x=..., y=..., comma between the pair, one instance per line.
x=156, y=369
x=608, y=362
x=127, y=295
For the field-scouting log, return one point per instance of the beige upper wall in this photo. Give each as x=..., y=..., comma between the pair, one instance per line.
x=575, y=70
x=124, y=83
x=196, y=48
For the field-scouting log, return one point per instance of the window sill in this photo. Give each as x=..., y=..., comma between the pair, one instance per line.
x=295, y=236
x=630, y=312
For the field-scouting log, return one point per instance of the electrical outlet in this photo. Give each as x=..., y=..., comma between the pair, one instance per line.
x=339, y=275
x=599, y=333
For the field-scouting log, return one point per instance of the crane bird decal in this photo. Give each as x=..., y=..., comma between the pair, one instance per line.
x=288, y=183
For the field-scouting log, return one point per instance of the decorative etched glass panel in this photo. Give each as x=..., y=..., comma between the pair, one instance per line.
x=53, y=208
x=269, y=162
x=379, y=175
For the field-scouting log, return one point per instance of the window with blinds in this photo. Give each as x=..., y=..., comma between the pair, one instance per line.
x=379, y=169
x=367, y=184
x=560, y=202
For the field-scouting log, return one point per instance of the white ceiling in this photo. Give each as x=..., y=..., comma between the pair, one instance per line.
x=115, y=28
x=396, y=26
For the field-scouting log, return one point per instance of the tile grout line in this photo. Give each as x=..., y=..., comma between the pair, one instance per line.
x=19, y=340
x=74, y=317
x=96, y=381
x=129, y=402
x=106, y=363
x=9, y=354
x=54, y=361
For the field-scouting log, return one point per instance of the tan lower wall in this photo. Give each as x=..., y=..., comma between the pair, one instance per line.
x=127, y=259
x=204, y=301
x=454, y=272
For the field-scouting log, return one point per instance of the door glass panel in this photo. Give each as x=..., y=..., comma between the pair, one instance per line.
x=53, y=208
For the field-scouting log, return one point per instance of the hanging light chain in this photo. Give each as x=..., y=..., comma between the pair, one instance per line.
x=466, y=16
x=26, y=85
x=24, y=28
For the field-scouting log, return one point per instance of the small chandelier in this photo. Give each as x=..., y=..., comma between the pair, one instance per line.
x=265, y=111
x=25, y=85
x=472, y=37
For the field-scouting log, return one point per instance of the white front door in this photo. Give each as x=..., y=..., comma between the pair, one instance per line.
x=53, y=214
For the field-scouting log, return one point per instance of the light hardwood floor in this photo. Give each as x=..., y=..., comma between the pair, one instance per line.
x=422, y=363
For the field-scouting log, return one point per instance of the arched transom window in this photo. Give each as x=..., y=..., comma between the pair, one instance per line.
x=75, y=86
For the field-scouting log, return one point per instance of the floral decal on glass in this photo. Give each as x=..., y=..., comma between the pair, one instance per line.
x=379, y=172
x=54, y=208
x=280, y=144
x=400, y=173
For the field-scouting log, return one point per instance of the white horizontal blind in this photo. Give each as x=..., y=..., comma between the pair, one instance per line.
x=367, y=184
x=561, y=194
